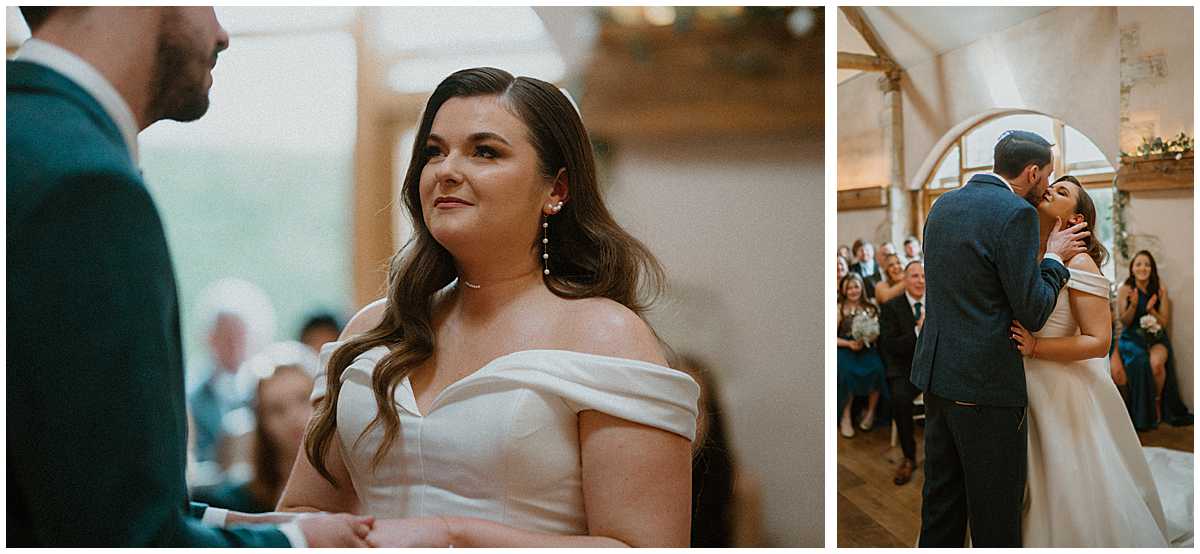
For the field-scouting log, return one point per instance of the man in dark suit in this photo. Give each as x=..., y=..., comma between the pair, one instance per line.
x=97, y=428
x=981, y=245
x=900, y=321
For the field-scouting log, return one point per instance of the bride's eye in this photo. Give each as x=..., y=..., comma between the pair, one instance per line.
x=486, y=152
x=431, y=151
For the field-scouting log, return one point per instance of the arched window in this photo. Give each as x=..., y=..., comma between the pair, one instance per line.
x=972, y=154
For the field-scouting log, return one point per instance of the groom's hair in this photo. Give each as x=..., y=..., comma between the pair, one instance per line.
x=1016, y=150
x=35, y=16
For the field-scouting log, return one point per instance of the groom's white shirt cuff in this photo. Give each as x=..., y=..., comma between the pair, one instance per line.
x=292, y=531
x=215, y=517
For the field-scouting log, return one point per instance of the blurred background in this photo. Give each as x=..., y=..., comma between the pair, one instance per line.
x=280, y=209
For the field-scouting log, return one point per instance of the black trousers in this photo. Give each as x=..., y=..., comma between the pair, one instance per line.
x=903, y=393
x=975, y=466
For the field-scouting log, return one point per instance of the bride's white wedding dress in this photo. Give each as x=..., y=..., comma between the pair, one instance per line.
x=502, y=443
x=1089, y=484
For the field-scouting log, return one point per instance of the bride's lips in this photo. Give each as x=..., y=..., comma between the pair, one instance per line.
x=450, y=202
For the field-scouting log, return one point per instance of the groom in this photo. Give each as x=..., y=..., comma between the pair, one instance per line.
x=982, y=272
x=97, y=429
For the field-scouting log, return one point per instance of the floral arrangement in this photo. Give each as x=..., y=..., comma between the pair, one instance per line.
x=1156, y=146
x=864, y=327
x=1150, y=329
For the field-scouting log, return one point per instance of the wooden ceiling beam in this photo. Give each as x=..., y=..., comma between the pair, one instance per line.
x=858, y=20
x=863, y=62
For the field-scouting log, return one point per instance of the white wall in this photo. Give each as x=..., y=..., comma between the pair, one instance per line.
x=738, y=225
x=862, y=224
x=862, y=161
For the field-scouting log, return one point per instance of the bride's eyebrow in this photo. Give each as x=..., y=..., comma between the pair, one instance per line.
x=488, y=135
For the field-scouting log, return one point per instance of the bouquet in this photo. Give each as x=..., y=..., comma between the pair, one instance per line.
x=864, y=327
x=1150, y=329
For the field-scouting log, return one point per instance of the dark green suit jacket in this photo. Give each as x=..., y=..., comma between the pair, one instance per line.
x=97, y=427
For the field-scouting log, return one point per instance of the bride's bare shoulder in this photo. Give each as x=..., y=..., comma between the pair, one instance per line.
x=606, y=327
x=1083, y=262
x=366, y=319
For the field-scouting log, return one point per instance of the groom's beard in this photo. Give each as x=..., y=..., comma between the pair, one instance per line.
x=1033, y=197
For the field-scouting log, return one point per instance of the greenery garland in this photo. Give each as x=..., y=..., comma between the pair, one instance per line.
x=1154, y=146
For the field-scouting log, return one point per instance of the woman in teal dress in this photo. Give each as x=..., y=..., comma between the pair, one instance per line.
x=860, y=368
x=1153, y=391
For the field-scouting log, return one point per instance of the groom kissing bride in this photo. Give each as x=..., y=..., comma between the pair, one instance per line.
x=1015, y=315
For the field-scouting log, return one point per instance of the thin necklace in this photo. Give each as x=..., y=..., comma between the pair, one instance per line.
x=470, y=284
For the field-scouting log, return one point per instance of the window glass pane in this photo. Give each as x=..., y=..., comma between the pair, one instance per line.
x=260, y=188
x=434, y=29
x=1102, y=197
x=967, y=176
x=947, y=173
x=1080, y=148
x=981, y=142
x=1083, y=157
x=422, y=75
x=273, y=19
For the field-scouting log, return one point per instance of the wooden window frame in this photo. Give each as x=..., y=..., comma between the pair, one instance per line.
x=927, y=195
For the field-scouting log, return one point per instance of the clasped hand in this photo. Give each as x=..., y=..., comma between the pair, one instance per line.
x=426, y=532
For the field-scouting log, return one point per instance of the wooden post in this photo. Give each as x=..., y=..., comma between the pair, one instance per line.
x=900, y=201
x=371, y=217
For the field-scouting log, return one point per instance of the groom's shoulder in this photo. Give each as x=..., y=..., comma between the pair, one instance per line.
x=997, y=200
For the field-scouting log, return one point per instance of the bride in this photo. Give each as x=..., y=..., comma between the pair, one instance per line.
x=1088, y=481
x=506, y=392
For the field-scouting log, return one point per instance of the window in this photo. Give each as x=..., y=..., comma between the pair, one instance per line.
x=971, y=154
x=260, y=188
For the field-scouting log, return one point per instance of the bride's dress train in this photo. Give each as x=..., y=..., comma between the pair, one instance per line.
x=1089, y=483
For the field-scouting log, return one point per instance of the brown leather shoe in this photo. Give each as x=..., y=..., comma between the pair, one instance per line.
x=904, y=472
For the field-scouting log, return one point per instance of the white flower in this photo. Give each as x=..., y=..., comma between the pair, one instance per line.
x=1150, y=324
x=864, y=327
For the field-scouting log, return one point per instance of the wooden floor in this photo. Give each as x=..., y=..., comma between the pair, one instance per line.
x=873, y=512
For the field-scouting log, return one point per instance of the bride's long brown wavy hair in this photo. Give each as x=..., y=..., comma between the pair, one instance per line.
x=590, y=255
x=1085, y=207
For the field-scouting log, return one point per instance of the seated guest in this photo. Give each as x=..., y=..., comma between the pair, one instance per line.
x=860, y=369
x=1147, y=357
x=843, y=267
x=222, y=392
x=319, y=329
x=893, y=282
x=900, y=321
x=863, y=263
x=886, y=249
x=281, y=410
x=843, y=251
x=912, y=250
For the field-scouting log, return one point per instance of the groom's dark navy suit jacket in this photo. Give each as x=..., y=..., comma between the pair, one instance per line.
x=981, y=272
x=97, y=428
